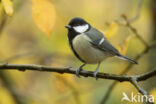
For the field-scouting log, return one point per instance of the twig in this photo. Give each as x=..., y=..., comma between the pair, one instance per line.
x=128, y=25
x=146, y=75
x=137, y=13
x=141, y=90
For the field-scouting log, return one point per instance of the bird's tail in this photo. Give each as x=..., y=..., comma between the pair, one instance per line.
x=127, y=58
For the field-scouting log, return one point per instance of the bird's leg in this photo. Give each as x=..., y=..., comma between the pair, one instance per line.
x=97, y=70
x=79, y=69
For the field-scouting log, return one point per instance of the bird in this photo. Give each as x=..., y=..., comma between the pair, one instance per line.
x=90, y=45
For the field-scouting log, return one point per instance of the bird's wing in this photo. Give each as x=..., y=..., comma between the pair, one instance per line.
x=105, y=46
x=101, y=42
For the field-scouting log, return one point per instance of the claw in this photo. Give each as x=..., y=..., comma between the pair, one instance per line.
x=79, y=69
x=94, y=74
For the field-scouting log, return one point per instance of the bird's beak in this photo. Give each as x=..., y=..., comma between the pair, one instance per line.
x=68, y=26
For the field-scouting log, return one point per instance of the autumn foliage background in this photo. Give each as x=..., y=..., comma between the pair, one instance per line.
x=32, y=32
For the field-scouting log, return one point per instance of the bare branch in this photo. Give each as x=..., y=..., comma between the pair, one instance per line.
x=69, y=70
x=133, y=79
x=140, y=2
x=146, y=75
x=141, y=90
x=129, y=26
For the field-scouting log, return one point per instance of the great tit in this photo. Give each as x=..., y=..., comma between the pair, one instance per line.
x=90, y=45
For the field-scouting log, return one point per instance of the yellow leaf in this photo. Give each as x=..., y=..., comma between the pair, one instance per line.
x=43, y=12
x=119, y=47
x=123, y=48
x=112, y=30
x=126, y=43
x=8, y=7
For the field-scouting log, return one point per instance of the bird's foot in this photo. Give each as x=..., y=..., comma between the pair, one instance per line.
x=78, y=71
x=96, y=72
x=95, y=75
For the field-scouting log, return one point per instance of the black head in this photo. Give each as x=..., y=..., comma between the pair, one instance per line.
x=77, y=22
x=78, y=25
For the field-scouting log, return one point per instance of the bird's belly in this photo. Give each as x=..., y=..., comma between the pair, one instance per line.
x=84, y=49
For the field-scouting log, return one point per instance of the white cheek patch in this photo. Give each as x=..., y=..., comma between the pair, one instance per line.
x=81, y=29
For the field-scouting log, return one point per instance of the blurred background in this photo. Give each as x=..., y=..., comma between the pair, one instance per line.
x=23, y=40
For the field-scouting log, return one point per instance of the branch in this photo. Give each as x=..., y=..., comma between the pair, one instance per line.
x=146, y=75
x=141, y=90
x=69, y=70
x=133, y=79
x=129, y=26
x=140, y=2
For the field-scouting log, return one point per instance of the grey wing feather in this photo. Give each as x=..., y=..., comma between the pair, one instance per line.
x=105, y=45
